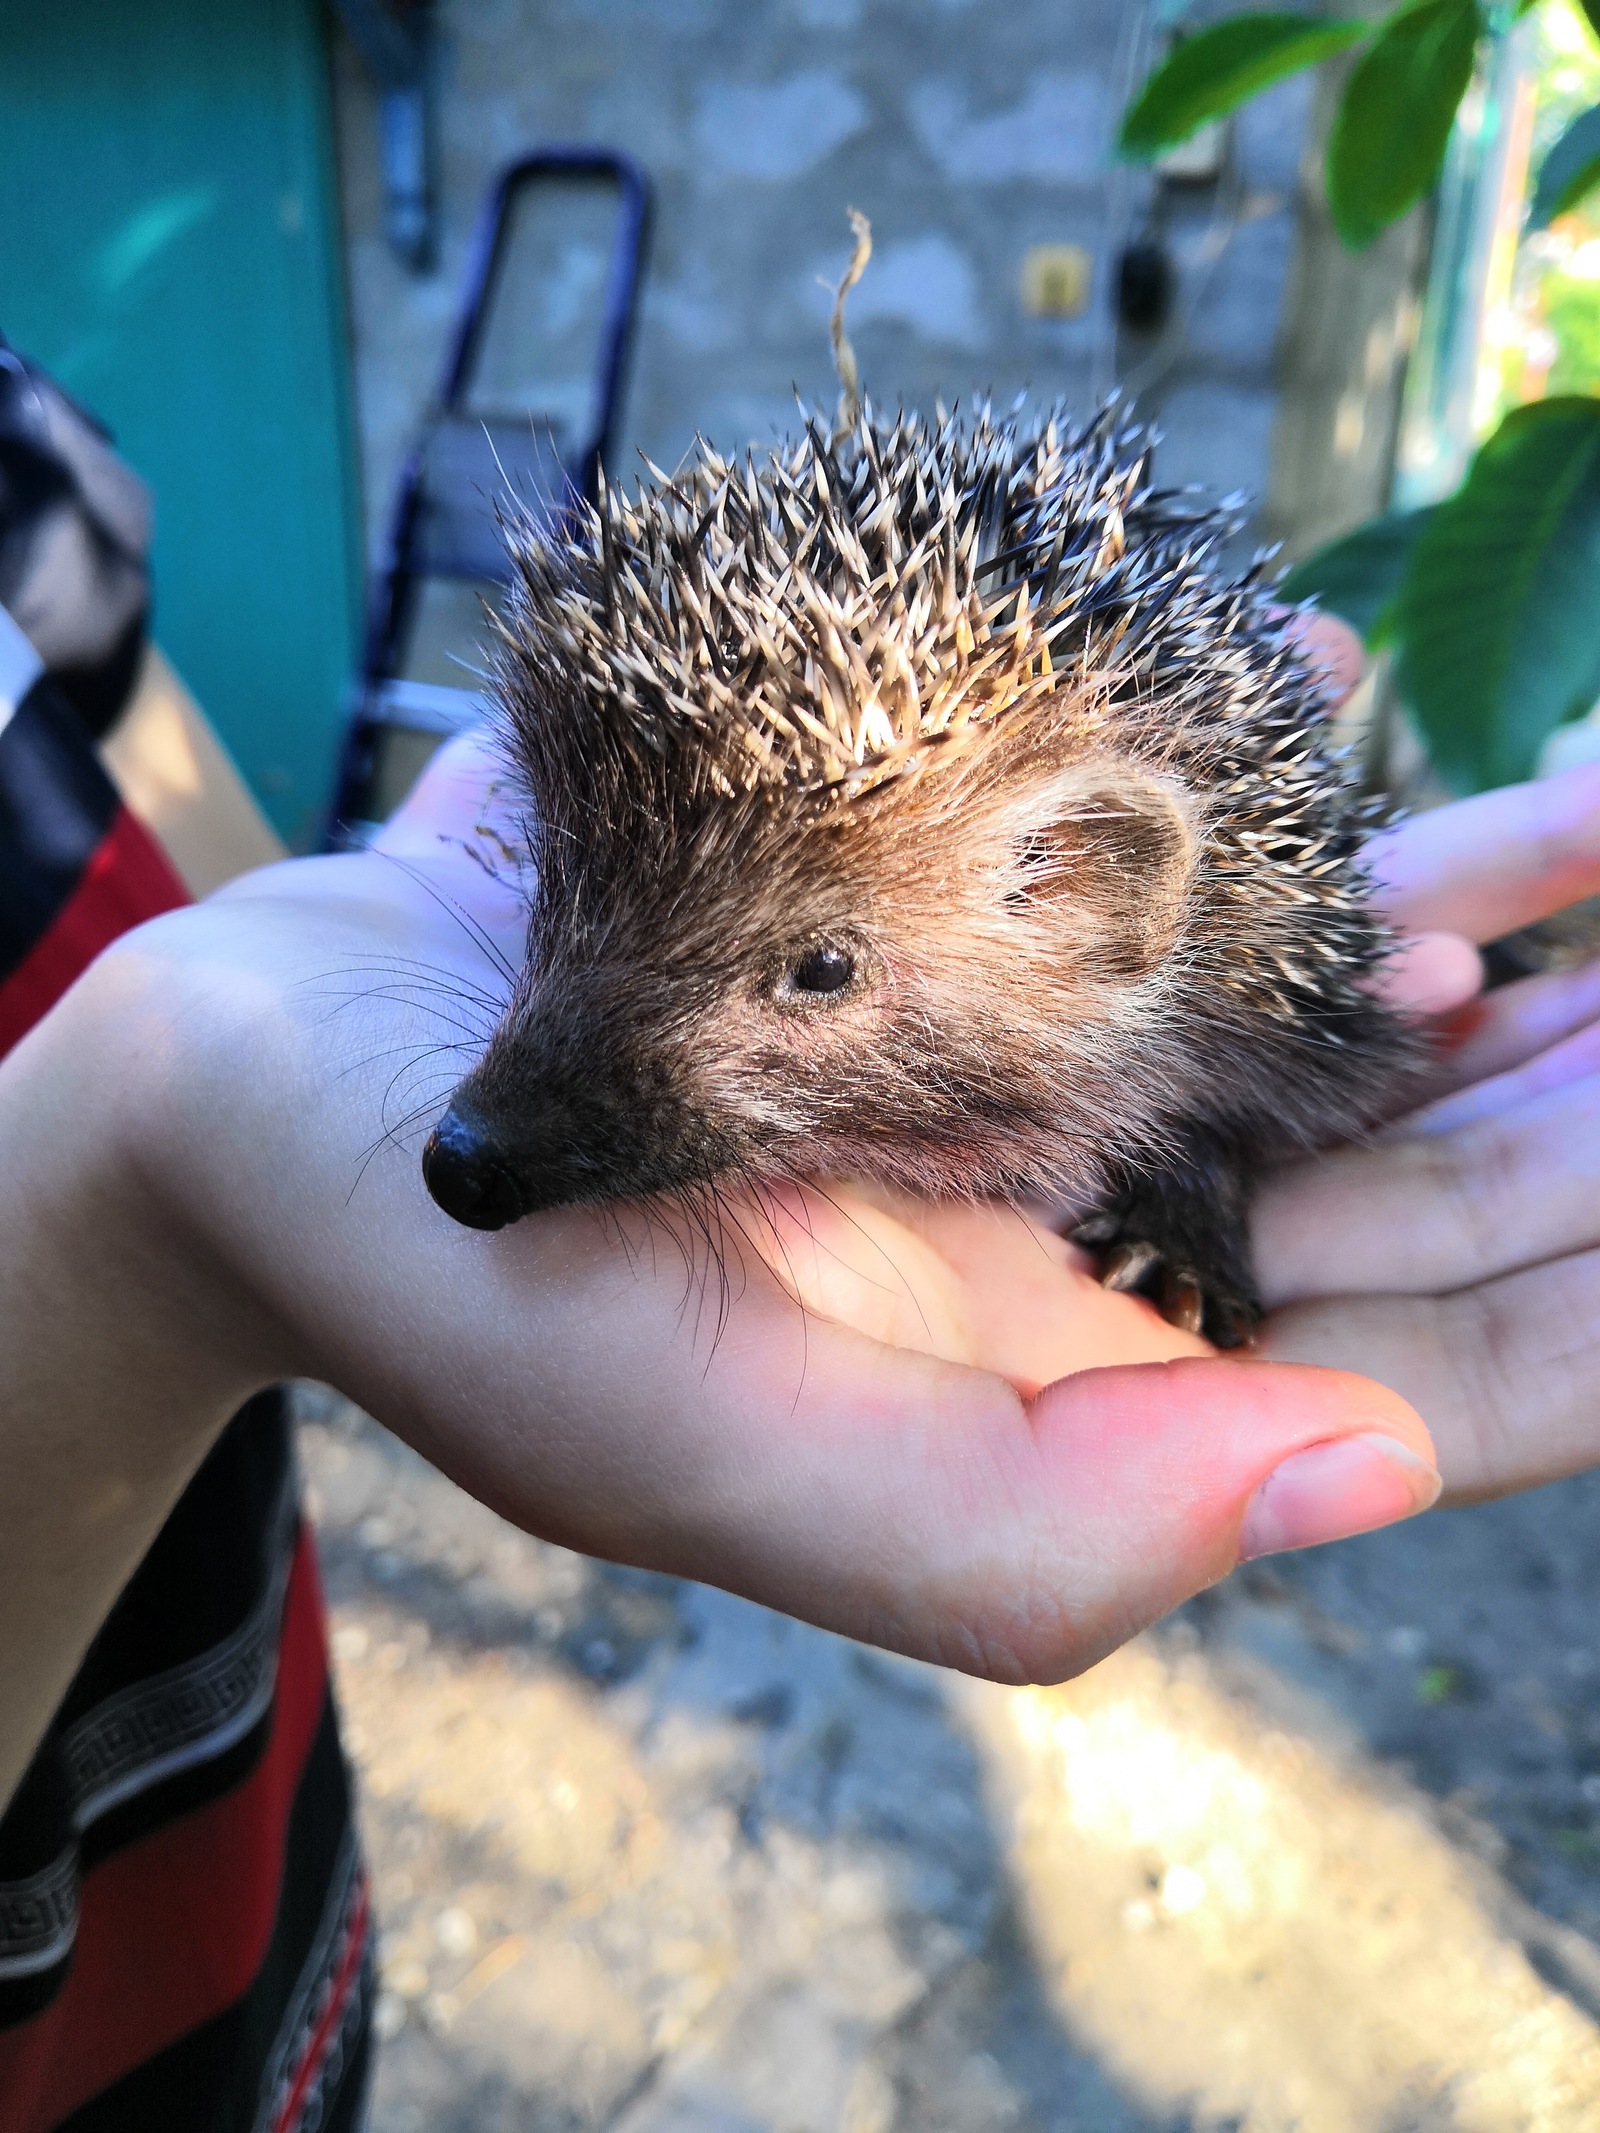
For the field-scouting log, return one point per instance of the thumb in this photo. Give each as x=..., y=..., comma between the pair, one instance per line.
x=939, y=1509
x=1166, y=1475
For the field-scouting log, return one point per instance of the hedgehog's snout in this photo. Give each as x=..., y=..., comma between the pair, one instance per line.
x=550, y=1141
x=468, y=1174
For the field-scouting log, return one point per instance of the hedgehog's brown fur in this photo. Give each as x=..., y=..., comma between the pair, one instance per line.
x=964, y=703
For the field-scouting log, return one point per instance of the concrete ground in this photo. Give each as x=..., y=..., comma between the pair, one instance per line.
x=1319, y=1855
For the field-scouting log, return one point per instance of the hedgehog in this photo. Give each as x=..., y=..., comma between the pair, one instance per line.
x=919, y=803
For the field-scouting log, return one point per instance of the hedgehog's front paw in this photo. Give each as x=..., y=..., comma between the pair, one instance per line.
x=1182, y=1294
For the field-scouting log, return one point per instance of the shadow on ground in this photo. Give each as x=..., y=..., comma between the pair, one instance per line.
x=1322, y=1855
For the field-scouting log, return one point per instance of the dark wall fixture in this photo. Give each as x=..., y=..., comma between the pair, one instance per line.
x=1144, y=284
x=396, y=41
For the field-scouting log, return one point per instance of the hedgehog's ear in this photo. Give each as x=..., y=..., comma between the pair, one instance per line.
x=1102, y=855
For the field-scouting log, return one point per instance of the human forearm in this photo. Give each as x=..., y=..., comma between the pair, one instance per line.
x=122, y=1347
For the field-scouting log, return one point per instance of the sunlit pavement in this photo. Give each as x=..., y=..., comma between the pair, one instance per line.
x=1320, y=1856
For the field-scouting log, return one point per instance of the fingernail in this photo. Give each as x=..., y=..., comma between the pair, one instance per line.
x=1329, y=1491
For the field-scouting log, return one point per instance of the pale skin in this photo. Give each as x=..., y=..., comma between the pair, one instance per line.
x=962, y=1448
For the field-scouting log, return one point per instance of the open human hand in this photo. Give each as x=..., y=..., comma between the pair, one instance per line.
x=962, y=1448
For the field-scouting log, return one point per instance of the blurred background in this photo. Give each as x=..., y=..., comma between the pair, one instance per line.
x=242, y=235
x=1322, y=1853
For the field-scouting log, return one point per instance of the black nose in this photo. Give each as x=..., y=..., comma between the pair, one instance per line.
x=464, y=1172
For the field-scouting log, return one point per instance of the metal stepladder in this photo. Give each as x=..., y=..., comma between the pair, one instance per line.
x=444, y=524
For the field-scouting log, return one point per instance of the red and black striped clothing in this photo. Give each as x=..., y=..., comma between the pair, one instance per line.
x=184, y=1930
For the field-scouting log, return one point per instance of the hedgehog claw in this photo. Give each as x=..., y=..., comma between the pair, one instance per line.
x=1183, y=1301
x=1183, y=1296
x=1126, y=1265
x=1233, y=1324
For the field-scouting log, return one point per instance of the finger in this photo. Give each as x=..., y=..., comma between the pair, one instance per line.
x=1504, y=1375
x=982, y=1284
x=1436, y=1211
x=451, y=857
x=1514, y=1024
x=1485, y=866
x=1576, y=1059
x=1166, y=1475
x=461, y=829
x=449, y=796
x=1430, y=974
x=1332, y=649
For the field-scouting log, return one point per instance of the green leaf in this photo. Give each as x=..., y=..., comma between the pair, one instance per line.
x=1591, y=10
x=1569, y=170
x=1389, y=133
x=1499, y=616
x=1360, y=576
x=1219, y=68
x=1438, y=1684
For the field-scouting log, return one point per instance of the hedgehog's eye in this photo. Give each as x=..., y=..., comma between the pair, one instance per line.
x=821, y=972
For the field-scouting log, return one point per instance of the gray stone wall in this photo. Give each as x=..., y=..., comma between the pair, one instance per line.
x=968, y=132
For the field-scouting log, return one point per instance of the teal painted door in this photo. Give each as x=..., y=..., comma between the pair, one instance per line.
x=169, y=248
